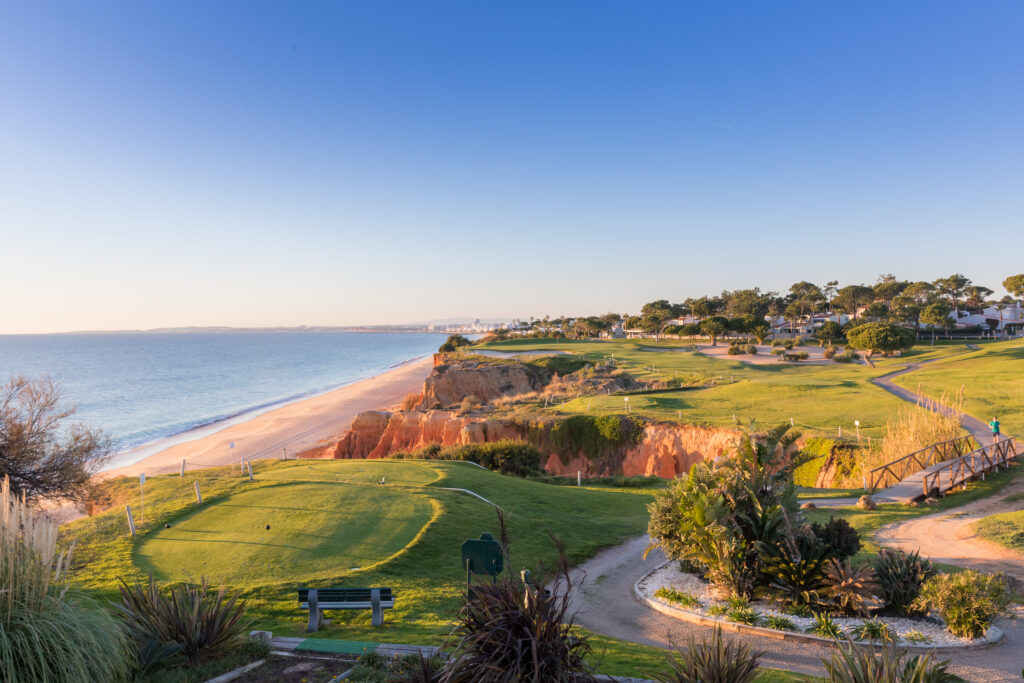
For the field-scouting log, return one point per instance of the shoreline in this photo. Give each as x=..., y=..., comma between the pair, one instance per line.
x=297, y=425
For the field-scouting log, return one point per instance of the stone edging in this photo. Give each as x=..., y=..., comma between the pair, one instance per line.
x=237, y=673
x=992, y=637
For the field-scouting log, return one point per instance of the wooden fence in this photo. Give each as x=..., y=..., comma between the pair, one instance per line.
x=976, y=463
x=898, y=469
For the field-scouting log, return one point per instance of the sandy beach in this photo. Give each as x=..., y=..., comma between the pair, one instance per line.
x=295, y=426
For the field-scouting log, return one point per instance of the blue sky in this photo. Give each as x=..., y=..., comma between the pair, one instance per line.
x=244, y=163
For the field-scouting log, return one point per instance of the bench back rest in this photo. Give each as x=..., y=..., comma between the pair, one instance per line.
x=344, y=594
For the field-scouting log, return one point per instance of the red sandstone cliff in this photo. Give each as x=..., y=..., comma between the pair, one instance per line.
x=665, y=450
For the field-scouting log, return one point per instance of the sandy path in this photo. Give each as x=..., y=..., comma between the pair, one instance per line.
x=297, y=426
x=948, y=537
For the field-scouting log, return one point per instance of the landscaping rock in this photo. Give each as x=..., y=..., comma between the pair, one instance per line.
x=866, y=502
x=931, y=501
x=912, y=503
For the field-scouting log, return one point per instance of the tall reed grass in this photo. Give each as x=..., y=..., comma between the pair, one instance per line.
x=911, y=429
x=47, y=631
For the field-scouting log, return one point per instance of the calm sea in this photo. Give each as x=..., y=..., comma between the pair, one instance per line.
x=139, y=387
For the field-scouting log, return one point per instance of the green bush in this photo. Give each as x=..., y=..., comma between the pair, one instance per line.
x=874, y=630
x=825, y=626
x=453, y=343
x=779, y=623
x=752, y=349
x=846, y=356
x=851, y=589
x=969, y=601
x=744, y=615
x=596, y=436
x=507, y=456
x=901, y=576
x=735, y=351
x=806, y=474
x=711, y=661
x=797, y=355
x=779, y=342
x=200, y=621
x=841, y=540
x=681, y=598
x=829, y=352
x=778, y=352
x=795, y=571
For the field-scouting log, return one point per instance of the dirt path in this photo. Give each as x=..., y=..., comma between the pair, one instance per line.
x=948, y=537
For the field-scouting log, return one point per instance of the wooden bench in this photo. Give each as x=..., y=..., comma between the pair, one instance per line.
x=316, y=600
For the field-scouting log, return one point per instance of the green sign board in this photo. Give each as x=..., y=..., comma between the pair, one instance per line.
x=482, y=556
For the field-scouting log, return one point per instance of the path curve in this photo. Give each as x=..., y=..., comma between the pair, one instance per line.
x=604, y=602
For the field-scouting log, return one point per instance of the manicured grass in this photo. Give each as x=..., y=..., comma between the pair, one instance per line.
x=1006, y=529
x=867, y=522
x=991, y=378
x=820, y=399
x=804, y=493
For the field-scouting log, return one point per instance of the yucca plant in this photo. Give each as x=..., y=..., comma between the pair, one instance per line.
x=884, y=664
x=874, y=630
x=779, y=623
x=795, y=571
x=851, y=589
x=718, y=609
x=200, y=621
x=745, y=615
x=900, y=576
x=711, y=661
x=681, y=598
x=509, y=631
x=48, y=632
x=825, y=626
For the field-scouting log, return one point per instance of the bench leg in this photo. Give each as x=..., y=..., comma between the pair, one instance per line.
x=378, y=612
x=314, y=612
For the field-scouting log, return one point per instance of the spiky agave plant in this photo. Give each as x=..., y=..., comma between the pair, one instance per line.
x=201, y=621
x=852, y=589
x=884, y=664
x=901, y=576
x=711, y=661
x=510, y=631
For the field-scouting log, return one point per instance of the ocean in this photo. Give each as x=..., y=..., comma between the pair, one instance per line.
x=140, y=387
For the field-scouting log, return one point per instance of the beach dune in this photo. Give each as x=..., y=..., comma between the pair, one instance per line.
x=296, y=426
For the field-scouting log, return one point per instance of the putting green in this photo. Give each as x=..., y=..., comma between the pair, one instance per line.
x=317, y=530
x=393, y=472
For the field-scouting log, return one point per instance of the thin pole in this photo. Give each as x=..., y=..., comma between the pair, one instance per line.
x=131, y=522
x=182, y=468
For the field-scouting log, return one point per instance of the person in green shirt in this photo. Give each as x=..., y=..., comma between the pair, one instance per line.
x=994, y=425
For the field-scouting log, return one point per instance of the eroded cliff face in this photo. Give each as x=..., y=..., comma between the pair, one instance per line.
x=450, y=382
x=664, y=450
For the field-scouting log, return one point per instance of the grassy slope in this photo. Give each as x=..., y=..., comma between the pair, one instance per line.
x=1006, y=529
x=991, y=377
x=426, y=574
x=829, y=396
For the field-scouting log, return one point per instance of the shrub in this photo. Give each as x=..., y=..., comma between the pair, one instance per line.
x=825, y=626
x=744, y=615
x=724, y=514
x=714, y=660
x=840, y=539
x=779, y=623
x=718, y=610
x=752, y=349
x=453, y=343
x=681, y=598
x=884, y=664
x=874, y=630
x=797, y=355
x=795, y=574
x=598, y=437
x=881, y=337
x=778, y=352
x=778, y=342
x=803, y=611
x=829, y=352
x=735, y=351
x=506, y=456
x=190, y=615
x=48, y=633
x=915, y=636
x=968, y=601
x=901, y=576
x=851, y=589
x=846, y=356
x=411, y=401
x=510, y=631
x=469, y=404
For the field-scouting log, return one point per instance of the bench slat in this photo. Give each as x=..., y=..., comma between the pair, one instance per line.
x=345, y=595
x=388, y=604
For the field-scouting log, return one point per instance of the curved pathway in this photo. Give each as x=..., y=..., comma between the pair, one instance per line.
x=604, y=602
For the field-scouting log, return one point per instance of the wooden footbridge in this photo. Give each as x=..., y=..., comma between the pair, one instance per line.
x=977, y=463
x=901, y=468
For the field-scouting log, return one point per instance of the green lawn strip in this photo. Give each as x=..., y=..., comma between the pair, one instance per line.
x=1006, y=529
x=804, y=493
x=991, y=378
x=613, y=657
x=867, y=522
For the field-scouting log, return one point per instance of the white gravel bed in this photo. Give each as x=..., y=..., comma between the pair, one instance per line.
x=670, y=576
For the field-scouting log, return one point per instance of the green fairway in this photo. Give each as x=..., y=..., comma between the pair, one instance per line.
x=820, y=399
x=315, y=528
x=992, y=378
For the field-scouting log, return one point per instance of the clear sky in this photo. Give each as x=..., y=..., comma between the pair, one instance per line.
x=245, y=163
